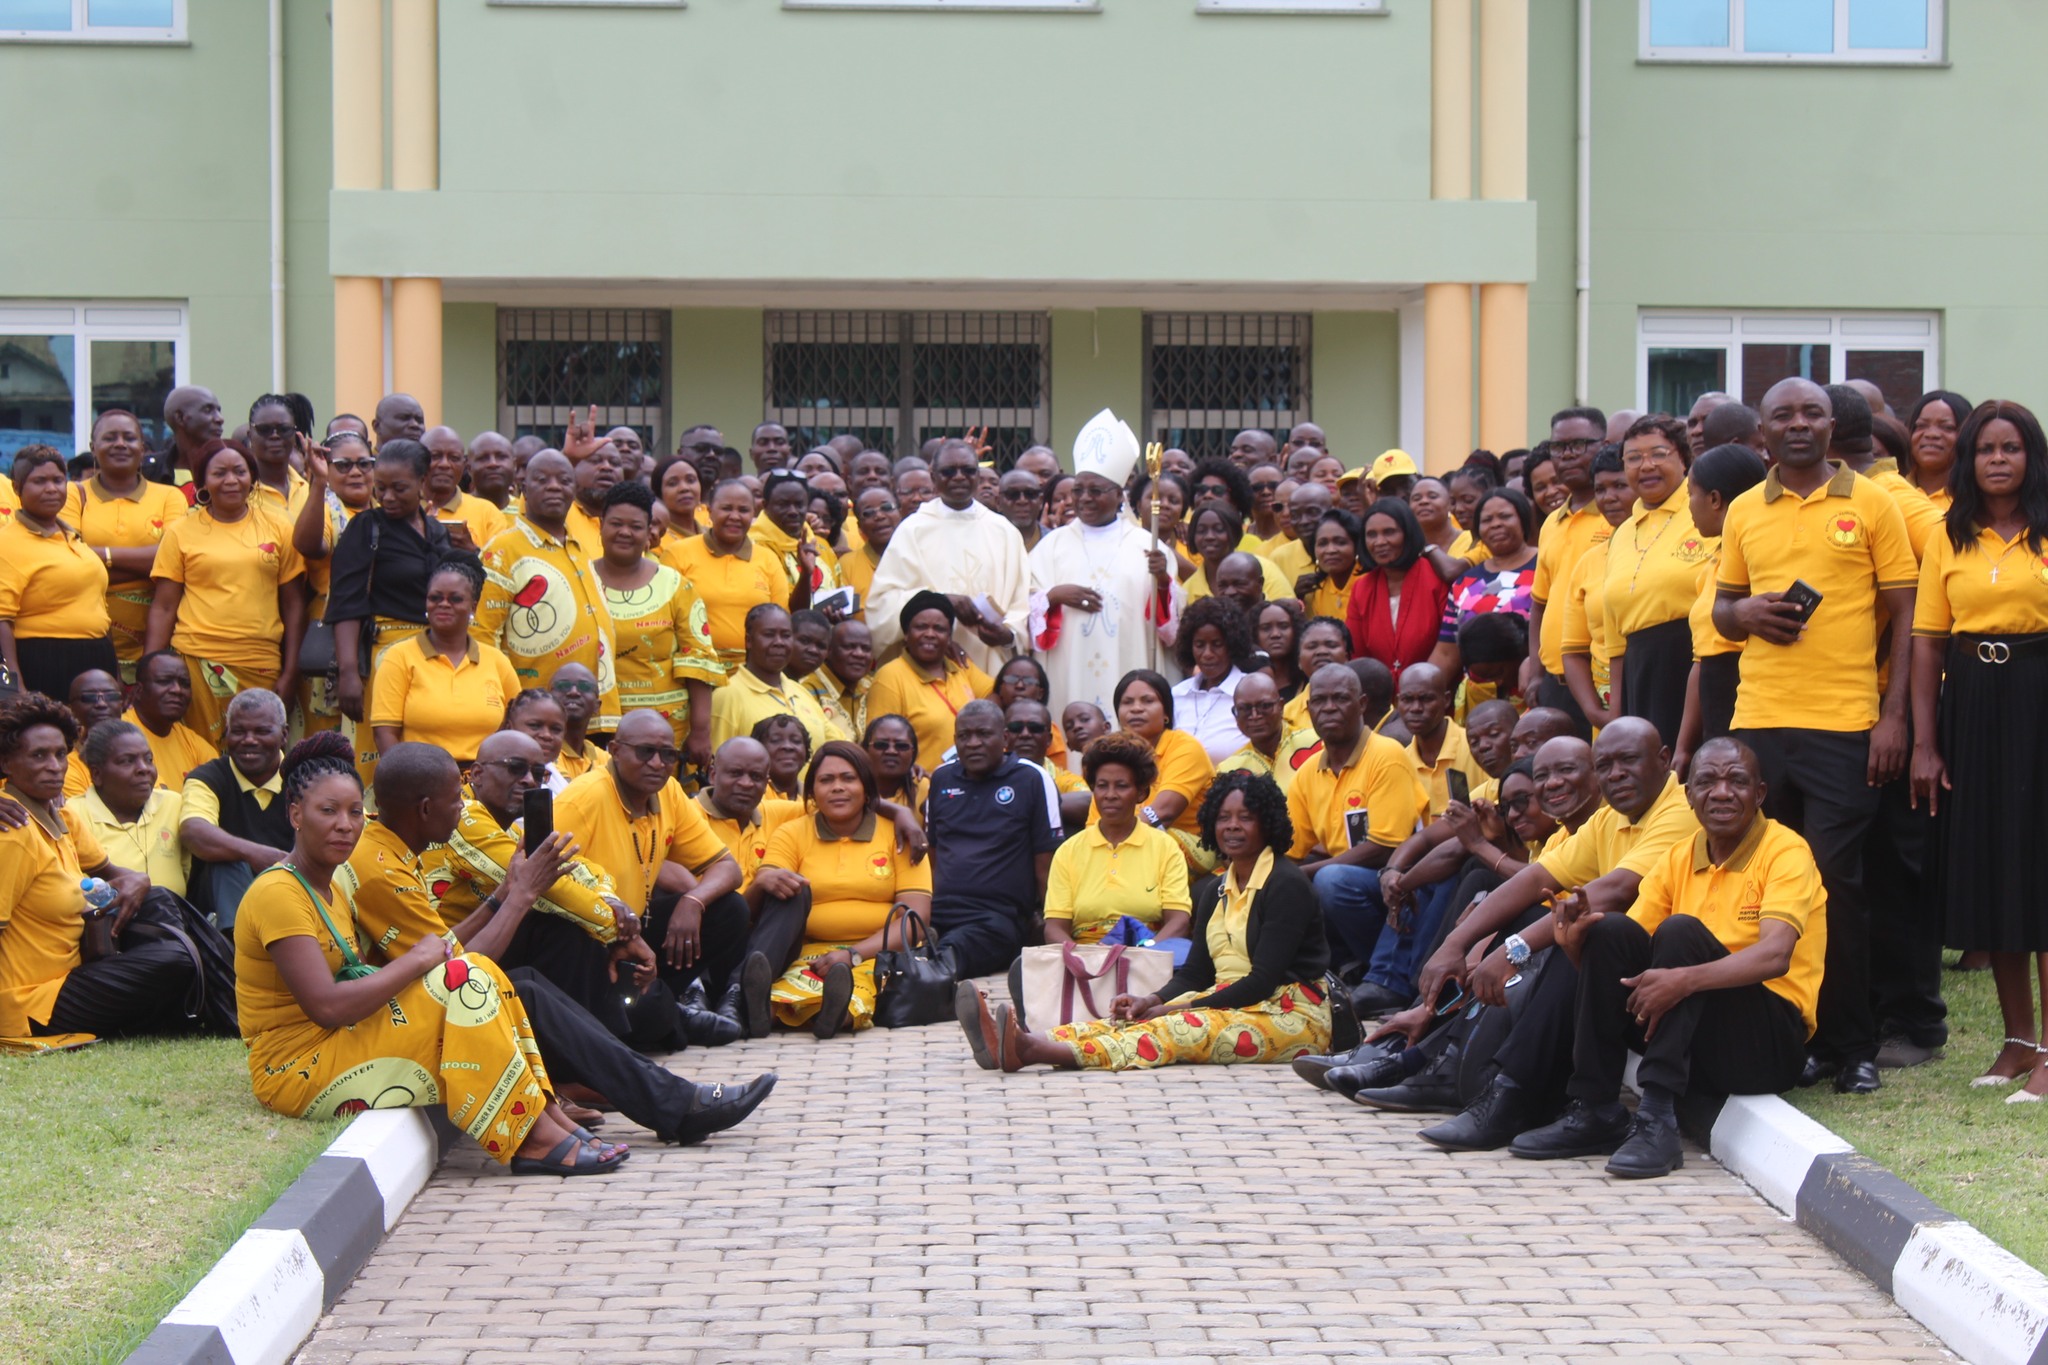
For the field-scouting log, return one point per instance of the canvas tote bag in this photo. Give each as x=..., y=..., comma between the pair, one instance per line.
x=1070, y=983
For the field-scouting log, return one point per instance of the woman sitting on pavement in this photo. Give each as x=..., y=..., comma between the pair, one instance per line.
x=1250, y=989
x=1119, y=865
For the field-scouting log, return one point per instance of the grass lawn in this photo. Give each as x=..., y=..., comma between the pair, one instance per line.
x=1967, y=1150
x=125, y=1171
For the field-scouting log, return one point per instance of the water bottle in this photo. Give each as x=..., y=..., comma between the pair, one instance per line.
x=98, y=895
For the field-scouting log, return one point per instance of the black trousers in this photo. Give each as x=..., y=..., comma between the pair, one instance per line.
x=1746, y=1040
x=577, y=964
x=1817, y=785
x=1556, y=693
x=1473, y=879
x=981, y=938
x=580, y=1051
x=722, y=939
x=1538, y=1052
x=778, y=932
x=1906, y=921
x=135, y=992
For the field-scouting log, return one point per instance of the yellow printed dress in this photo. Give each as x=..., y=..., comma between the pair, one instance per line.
x=664, y=637
x=1294, y=1020
x=544, y=607
x=458, y=1037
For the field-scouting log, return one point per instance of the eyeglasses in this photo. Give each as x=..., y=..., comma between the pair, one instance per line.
x=518, y=769
x=1028, y=727
x=1577, y=447
x=892, y=746
x=450, y=599
x=588, y=689
x=1255, y=708
x=705, y=447
x=667, y=755
x=344, y=466
x=274, y=431
x=1522, y=802
x=98, y=698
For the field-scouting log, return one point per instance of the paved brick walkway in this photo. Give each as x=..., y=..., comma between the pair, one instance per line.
x=892, y=1202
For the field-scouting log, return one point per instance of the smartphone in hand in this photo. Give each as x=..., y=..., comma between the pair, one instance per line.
x=1460, y=785
x=1804, y=596
x=537, y=817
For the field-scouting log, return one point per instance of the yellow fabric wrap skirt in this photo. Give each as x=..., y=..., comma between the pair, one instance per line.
x=458, y=1038
x=1293, y=1021
x=795, y=998
x=214, y=685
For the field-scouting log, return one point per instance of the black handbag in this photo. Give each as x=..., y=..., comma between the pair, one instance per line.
x=912, y=984
x=316, y=650
x=210, y=1001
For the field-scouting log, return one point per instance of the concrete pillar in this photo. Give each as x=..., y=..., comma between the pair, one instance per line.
x=358, y=345
x=1446, y=376
x=1503, y=366
x=1503, y=174
x=416, y=343
x=1450, y=99
x=415, y=95
x=358, y=165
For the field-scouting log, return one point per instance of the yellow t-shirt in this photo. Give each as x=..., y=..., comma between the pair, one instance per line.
x=1607, y=841
x=1707, y=642
x=1653, y=564
x=1584, y=610
x=148, y=844
x=1372, y=794
x=232, y=572
x=277, y=907
x=473, y=864
x=858, y=569
x=931, y=704
x=450, y=706
x=1958, y=592
x=664, y=638
x=176, y=753
x=730, y=587
x=745, y=701
x=485, y=522
x=1093, y=885
x=1297, y=747
x=52, y=587
x=748, y=844
x=1562, y=542
x=1184, y=767
x=631, y=849
x=1849, y=542
x=1455, y=752
x=854, y=880
x=1467, y=546
x=41, y=906
x=544, y=607
x=1771, y=875
x=571, y=764
x=585, y=530
x=125, y=521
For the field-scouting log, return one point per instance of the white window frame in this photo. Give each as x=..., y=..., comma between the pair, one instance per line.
x=1934, y=54
x=82, y=32
x=100, y=320
x=1012, y=6
x=1357, y=7
x=1728, y=330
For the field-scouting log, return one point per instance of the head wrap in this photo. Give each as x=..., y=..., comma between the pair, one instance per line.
x=925, y=600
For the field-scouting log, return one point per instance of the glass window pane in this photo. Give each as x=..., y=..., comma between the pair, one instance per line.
x=37, y=377
x=1901, y=374
x=1688, y=23
x=1763, y=366
x=1788, y=26
x=129, y=13
x=1888, y=23
x=40, y=16
x=138, y=376
x=1679, y=376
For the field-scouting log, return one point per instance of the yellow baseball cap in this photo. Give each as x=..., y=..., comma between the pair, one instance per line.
x=1392, y=464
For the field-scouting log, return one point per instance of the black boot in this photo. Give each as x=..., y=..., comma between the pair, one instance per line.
x=1652, y=1150
x=1502, y=1111
x=716, y=1108
x=703, y=1025
x=1316, y=1067
x=1585, y=1130
x=1433, y=1090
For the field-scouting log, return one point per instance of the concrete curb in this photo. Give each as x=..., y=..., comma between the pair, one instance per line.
x=262, y=1298
x=1986, y=1305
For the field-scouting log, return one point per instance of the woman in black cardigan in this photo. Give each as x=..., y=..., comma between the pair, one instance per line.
x=1250, y=990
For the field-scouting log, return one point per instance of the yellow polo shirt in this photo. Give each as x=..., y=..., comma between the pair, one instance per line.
x=287, y=503
x=730, y=587
x=52, y=587
x=147, y=844
x=1707, y=641
x=1289, y=556
x=231, y=572
x=1277, y=584
x=1771, y=875
x=473, y=864
x=1959, y=593
x=131, y=521
x=854, y=880
x=747, y=843
x=745, y=701
x=1848, y=541
x=40, y=909
x=1563, y=540
x=1467, y=546
x=1455, y=752
x=1092, y=884
x=1371, y=794
x=586, y=530
x=1297, y=747
x=1653, y=564
x=387, y=884
x=485, y=522
x=633, y=849
x=858, y=569
x=929, y=703
x=1923, y=519
x=452, y=706
x=201, y=804
x=77, y=777
x=1607, y=841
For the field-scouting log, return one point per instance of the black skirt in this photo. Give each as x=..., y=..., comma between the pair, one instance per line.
x=1990, y=858
x=1719, y=676
x=48, y=666
x=1655, y=664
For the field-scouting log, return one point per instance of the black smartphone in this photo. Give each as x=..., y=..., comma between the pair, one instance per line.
x=1460, y=785
x=537, y=817
x=1358, y=826
x=1804, y=596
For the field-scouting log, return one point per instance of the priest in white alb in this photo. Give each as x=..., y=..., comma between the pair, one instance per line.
x=1100, y=592
x=956, y=546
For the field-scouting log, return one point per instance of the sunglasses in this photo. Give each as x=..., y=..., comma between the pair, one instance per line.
x=892, y=746
x=705, y=448
x=518, y=769
x=877, y=507
x=1255, y=708
x=1265, y=487
x=1028, y=727
x=667, y=755
x=99, y=698
x=1022, y=495
x=588, y=689
x=274, y=431
x=344, y=466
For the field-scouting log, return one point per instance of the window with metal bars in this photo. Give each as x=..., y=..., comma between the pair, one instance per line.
x=896, y=380
x=1209, y=376
x=553, y=359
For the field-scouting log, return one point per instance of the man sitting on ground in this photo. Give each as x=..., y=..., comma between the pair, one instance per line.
x=741, y=812
x=1270, y=748
x=1029, y=727
x=162, y=696
x=991, y=839
x=1437, y=745
x=232, y=822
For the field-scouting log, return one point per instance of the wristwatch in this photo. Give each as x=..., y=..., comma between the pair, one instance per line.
x=1517, y=950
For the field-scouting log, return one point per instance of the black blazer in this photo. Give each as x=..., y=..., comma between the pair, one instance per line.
x=1285, y=934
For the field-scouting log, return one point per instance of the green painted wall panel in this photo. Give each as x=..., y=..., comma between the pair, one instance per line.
x=469, y=367
x=1098, y=361
x=1357, y=383
x=716, y=371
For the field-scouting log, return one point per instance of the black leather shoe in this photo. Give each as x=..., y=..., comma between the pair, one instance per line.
x=1316, y=1067
x=1371, y=999
x=1816, y=1070
x=838, y=990
x=719, y=1107
x=709, y=1028
x=1372, y=1073
x=692, y=997
x=1652, y=1149
x=1858, y=1078
x=730, y=1006
x=1431, y=1092
x=756, y=976
x=1501, y=1112
x=1585, y=1130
